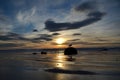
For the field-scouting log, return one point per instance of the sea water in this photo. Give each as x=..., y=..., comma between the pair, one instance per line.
x=21, y=65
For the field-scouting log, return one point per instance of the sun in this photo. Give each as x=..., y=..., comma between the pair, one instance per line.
x=60, y=41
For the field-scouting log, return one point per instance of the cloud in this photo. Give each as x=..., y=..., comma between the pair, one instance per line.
x=77, y=34
x=72, y=40
x=92, y=43
x=8, y=45
x=96, y=14
x=91, y=11
x=29, y=28
x=12, y=36
x=4, y=28
x=3, y=18
x=101, y=40
x=5, y=24
x=86, y=6
x=35, y=30
x=43, y=37
x=92, y=18
x=18, y=3
x=4, y=38
x=25, y=17
x=18, y=37
x=55, y=34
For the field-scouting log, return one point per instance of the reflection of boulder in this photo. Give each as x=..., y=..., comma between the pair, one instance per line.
x=70, y=59
x=34, y=53
x=104, y=49
x=43, y=52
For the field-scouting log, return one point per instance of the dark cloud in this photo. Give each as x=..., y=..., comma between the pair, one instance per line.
x=93, y=14
x=77, y=34
x=4, y=38
x=35, y=30
x=56, y=34
x=9, y=36
x=86, y=6
x=92, y=18
x=73, y=40
x=102, y=40
x=99, y=39
x=43, y=37
x=5, y=45
x=37, y=41
x=52, y=26
x=12, y=36
x=96, y=14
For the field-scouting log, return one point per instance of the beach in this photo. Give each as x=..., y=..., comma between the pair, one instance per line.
x=87, y=65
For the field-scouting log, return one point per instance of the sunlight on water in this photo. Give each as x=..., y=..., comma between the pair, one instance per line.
x=60, y=60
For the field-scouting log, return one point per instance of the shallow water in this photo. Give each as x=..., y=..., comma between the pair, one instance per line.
x=56, y=66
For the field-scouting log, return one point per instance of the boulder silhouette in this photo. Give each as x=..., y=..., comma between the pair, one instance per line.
x=70, y=51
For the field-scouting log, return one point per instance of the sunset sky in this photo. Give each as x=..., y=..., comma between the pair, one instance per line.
x=27, y=24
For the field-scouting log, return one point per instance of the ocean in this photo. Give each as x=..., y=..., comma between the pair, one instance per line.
x=88, y=64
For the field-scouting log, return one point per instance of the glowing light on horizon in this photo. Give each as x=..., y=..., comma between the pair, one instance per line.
x=60, y=41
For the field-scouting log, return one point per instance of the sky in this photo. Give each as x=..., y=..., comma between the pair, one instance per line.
x=36, y=24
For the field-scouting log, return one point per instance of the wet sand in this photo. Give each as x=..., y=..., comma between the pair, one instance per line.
x=56, y=66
